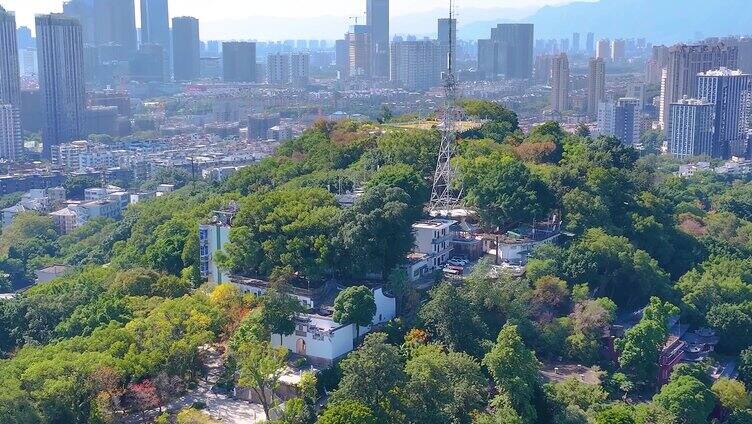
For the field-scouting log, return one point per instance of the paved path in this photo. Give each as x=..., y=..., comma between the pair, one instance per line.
x=219, y=406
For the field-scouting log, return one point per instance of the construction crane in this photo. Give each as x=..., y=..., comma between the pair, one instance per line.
x=447, y=192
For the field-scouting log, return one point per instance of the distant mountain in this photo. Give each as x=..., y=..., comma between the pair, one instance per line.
x=425, y=23
x=664, y=21
x=333, y=27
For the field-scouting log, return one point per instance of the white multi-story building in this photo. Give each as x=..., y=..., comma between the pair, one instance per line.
x=212, y=238
x=288, y=69
x=416, y=65
x=596, y=85
x=560, y=83
x=434, y=239
x=323, y=340
x=81, y=155
x=317, y=336
x=107, y=208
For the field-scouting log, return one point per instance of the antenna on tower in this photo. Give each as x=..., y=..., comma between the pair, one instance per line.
x=451, y=36
x=446, y=192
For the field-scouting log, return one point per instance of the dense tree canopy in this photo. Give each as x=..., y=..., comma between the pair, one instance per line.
x=126, y=326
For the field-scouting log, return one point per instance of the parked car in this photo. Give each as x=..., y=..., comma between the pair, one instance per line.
x=451, y=272
x=457, y=262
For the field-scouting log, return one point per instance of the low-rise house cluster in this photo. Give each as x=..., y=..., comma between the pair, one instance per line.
x=105, y=202
x=682, y=345
x=736, y=168
x=35, y=200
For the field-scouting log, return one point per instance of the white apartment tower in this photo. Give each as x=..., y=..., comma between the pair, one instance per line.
x=596, y=85
x=560, y=83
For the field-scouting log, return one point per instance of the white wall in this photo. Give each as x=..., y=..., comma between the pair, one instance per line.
x=218, y=237
x=330, y=345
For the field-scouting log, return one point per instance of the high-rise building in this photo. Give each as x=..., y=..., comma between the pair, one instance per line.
x=239, y=61
x=61, y=79
x=596, y=85
x=300, y=69
x=83, y=10
x=560, y=83
x=506, y=52
x=101, y=120
x=621, y=119
x=359, y=52
x=447, y=31
x=377, y=20
x=488, y=58
x=32, y=111
x=342, y=58
x=575, y=43
x=11, y=142
x=148, y=64
x=514, y=50
x=259, y=125
x=24, y=38
x=590, y=43
x=212, y=49
x=155, y=27
x=542, y=73
x=618, y=50
x=684, y=63
x=186, y=48
x=288, y=69
x=729, y=92
x=691, y=131
x=416, y=65
x=564, y=45
x=603, y=49
x=10, y=83
x=745, y=55
x=655, y=65
x=278, y=69
x=115, y=24
x=155, y=23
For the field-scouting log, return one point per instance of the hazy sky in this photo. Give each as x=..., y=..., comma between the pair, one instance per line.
x=218, y=10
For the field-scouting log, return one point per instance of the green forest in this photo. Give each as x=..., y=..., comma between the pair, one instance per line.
x=126, y=328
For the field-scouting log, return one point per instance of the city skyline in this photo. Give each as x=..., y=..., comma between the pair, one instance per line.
x=342, y=10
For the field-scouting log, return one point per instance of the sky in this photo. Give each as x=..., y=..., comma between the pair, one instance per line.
x=212, y=13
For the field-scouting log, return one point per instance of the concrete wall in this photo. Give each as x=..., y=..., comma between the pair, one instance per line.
x=325, y=347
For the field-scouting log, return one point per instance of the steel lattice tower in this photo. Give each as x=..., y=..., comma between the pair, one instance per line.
x=446, y=193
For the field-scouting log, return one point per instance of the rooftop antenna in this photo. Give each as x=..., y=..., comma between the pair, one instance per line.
x=446, y=192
